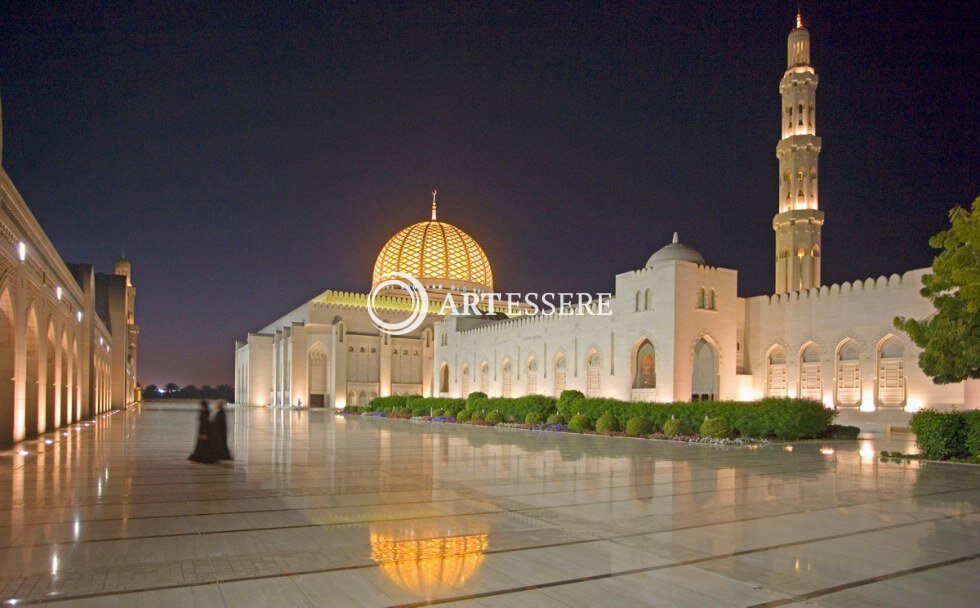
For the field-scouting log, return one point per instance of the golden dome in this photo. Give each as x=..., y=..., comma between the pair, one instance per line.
x=440, y=255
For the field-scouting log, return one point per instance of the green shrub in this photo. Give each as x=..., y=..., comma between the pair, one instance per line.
x=463, y=415
x=638, y=425
x=580, y=422
x=495, y=417
x=565, y=401
x=419, y=411
x=387, y=404
x=716, y=428
x=474, y=398
x=836, y=431
x=406, y=411
x=532, y=418
x=972, y=420
x=606, y=423
x=477, y=416
x=556, y=418
x=676, y=426
x=438, y=412
x=940, y=435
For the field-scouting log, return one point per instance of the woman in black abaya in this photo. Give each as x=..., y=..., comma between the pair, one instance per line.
x=219, y=434
x=202, y=451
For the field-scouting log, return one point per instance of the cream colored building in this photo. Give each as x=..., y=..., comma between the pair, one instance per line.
x=678, y=330
x=68, y=337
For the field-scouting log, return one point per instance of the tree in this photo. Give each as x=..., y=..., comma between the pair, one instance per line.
x=950, y=338
x=171, y=388
x=151, y=390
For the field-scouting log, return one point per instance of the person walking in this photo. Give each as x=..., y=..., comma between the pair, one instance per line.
x=202, y=451
x=219, y=434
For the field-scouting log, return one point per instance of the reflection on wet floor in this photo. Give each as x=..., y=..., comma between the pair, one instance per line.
x=355, y=511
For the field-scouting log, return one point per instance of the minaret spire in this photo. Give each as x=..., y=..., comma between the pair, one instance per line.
x=798, y=220
x=434, y=192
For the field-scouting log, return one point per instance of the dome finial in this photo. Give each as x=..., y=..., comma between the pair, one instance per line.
x=434, y=192
x=799, y=17
x=676, y=239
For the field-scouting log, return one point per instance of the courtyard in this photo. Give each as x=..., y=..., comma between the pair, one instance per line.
x=322, y=510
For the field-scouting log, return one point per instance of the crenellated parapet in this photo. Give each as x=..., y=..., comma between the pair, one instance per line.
x=911, y=279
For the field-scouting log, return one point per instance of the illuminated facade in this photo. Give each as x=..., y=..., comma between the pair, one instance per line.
x=67, y=333
x=328, y=353
x=678, y=329
x=798, y=222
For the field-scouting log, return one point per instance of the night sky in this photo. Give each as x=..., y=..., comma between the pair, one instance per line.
x=249, y=158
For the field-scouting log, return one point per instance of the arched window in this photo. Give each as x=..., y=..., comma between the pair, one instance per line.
x=532, y=376
x=848, y=374
x=701, y=297
x=593, y=367
x=713, y=300
x=776, y=372
x=891, y=372
x=466, y=380
x=647, y=299
x=352, y=398
x=561, y=374
x=505, y=385
x=645, y=366
x=444, y=378
x=485, y=377
x=811, y=384
x=637, y=302
x=704, y=377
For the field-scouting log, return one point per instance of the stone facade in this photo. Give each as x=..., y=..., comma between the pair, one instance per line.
x=678, y=329
x=67, y=333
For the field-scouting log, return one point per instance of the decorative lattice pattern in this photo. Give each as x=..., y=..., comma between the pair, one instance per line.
x=435, y=251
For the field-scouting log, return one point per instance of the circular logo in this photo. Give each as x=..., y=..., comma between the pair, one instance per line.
x=419, y=304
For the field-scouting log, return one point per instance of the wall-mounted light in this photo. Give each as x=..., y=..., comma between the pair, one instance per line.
x=78, y=315
x=22, y=251
x=57, y=292
x=101, y=341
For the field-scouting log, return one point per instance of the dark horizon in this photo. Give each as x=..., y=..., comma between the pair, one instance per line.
x=249, y=160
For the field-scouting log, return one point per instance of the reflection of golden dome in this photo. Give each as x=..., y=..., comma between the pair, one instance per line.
x=428, y=566
x=440, y=255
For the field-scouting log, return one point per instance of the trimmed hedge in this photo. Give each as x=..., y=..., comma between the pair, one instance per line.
x=580, y=422
x=495, y=417
x=945, y=435
x=532, y=418
x=716, y=428
x=606, y=423
x=395, y=402
x=781, y=418
x=638, y=425
x=676, y=426
x=837, y=431
x=519, y=407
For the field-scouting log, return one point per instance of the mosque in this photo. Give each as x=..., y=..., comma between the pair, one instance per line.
x=678, y=329
x=68, y=334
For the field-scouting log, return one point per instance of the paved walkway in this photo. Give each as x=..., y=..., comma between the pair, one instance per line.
x=325, y=511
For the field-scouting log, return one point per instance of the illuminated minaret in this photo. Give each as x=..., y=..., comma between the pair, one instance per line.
x=798, y=222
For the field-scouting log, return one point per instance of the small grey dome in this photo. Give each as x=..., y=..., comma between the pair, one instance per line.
x=675, y=251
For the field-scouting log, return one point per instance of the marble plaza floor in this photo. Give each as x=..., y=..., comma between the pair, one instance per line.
x=325, y=511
